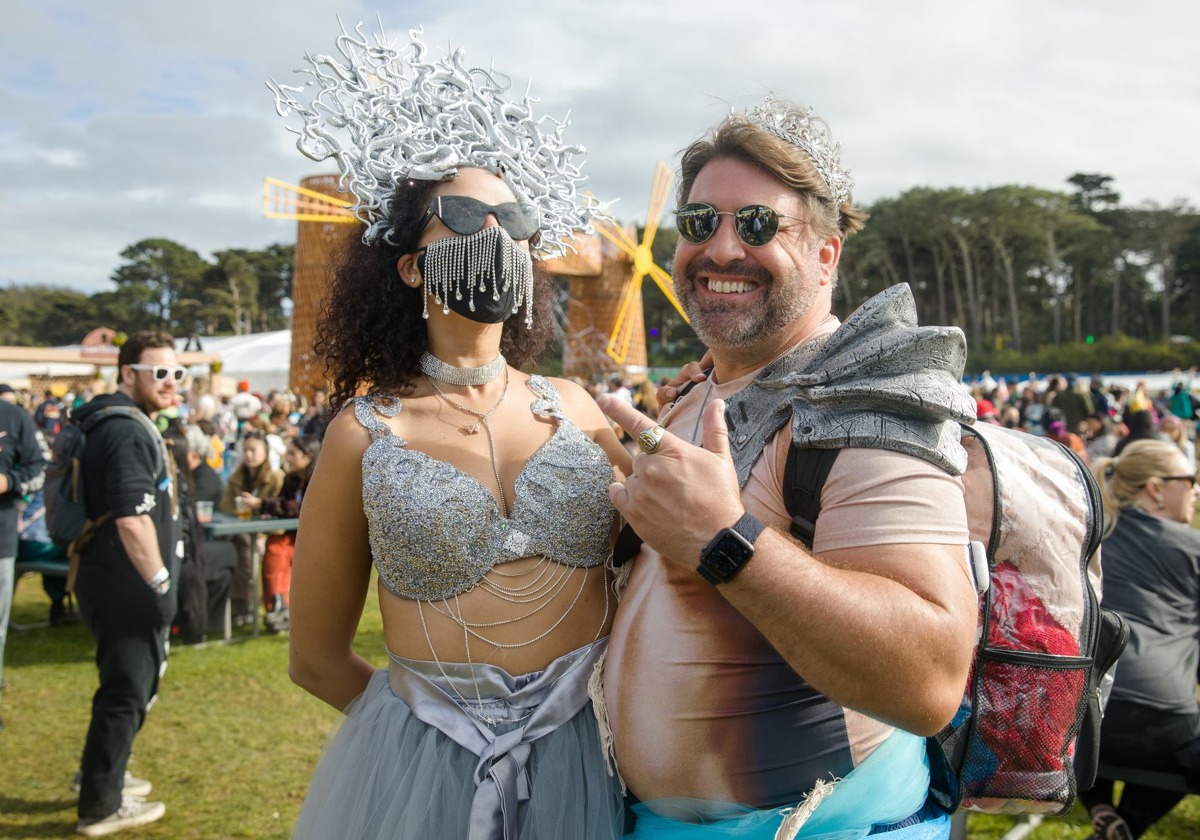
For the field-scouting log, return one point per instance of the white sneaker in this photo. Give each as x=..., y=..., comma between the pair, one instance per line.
x=134, y=811
x=133, y=786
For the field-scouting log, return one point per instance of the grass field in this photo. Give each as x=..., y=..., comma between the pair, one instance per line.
x=231, y=744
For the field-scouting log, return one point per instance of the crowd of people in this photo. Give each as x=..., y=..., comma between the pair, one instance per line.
x=1091, y=418
x=250, y=449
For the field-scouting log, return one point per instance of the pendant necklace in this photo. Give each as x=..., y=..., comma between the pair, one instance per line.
x=712, y=382
x=473, y=429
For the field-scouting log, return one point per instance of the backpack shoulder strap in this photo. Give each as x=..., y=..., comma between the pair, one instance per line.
x=803, y=479
x=95, y=418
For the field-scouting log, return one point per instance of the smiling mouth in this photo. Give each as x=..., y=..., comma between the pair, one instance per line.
x=729, y=287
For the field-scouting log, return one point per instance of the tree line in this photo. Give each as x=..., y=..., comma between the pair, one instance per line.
x=1034, y=277
x=159, y=285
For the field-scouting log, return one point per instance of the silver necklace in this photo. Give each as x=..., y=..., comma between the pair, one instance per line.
x=699, y=417
x=435, y=368
x=474, y=429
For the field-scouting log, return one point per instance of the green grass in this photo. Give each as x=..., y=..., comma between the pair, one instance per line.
x=231, y=744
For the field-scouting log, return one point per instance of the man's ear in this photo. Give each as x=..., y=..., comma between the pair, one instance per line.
x=828, y=254
x=406, y=268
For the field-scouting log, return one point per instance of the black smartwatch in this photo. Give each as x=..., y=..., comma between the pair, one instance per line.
x=729, y=550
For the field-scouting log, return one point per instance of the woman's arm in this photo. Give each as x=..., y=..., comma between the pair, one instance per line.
x=332, y=571
x=232, y=489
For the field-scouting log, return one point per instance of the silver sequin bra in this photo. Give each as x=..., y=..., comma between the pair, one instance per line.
x=435, y=531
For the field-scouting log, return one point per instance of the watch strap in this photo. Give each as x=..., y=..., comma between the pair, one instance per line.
x=749, y=527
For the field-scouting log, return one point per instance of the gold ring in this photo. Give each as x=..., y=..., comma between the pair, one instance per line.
x=649, y=440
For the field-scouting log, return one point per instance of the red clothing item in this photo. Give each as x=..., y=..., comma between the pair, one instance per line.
x=1022, y=699
x=277, y=567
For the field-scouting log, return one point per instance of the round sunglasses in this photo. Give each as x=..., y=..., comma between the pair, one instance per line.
x=465, y=215
x=755, y=224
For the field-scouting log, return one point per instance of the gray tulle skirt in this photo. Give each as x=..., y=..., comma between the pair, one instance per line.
x=410, y=761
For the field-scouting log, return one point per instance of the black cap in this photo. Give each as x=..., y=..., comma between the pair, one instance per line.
x=5, y=388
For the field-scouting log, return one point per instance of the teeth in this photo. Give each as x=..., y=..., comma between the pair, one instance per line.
x=727, y=287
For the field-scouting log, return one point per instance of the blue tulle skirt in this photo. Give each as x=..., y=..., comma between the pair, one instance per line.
x=536, y=771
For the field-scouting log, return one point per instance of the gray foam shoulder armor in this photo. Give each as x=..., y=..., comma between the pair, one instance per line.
x=879, y=381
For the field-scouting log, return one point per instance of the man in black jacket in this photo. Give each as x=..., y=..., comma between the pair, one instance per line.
x=124, y=584
x=22, y=471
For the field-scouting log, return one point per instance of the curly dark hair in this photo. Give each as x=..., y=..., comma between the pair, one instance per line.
x=371, y=333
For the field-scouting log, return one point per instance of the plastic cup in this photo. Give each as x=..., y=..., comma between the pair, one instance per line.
x=204, y=511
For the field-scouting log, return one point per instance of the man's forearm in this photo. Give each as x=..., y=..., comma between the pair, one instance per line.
x=140, y=539
x=892, y=648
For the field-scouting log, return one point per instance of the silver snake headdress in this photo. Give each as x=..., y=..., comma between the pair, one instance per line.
x=385, y=114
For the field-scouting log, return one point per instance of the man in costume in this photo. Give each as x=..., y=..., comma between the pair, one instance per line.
x=750, y=682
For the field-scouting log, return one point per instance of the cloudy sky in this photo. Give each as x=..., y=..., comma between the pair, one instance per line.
x=128, y=119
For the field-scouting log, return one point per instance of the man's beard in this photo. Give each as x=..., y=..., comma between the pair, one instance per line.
x=732, y=323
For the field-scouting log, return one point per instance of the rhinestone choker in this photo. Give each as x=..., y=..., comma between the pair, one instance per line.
x=435, y=368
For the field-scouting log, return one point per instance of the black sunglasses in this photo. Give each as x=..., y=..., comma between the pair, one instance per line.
x=161, y=372
x=1190, y=479
x=465, y=215
x=756, y=224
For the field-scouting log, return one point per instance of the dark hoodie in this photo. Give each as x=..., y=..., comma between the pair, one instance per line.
x=122, y=477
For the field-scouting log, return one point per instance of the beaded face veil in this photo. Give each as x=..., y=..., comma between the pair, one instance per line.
x=386, y=113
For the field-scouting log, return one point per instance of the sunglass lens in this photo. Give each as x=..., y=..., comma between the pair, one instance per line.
x=460, y=213
x=757, y=224
x=696, y=222
x=518, y=218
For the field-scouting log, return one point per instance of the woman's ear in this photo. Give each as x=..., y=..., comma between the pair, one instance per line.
x=406, y=267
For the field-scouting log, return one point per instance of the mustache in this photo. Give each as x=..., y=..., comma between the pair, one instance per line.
x=741, y=269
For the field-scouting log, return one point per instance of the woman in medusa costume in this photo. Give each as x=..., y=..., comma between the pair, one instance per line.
x=478, y=491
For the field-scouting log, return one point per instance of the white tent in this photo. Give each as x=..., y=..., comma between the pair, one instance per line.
x=262, y=359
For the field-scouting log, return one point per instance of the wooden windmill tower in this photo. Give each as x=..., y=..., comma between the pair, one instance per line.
x=606, y=329
x=627, y=338
x=324, y=224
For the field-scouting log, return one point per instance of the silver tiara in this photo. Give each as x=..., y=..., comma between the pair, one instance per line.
x=386, y=114
x=803, y=128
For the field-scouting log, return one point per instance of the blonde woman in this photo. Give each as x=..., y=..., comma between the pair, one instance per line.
x=1152, y=578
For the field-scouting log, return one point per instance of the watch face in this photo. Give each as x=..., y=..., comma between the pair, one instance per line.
x=729, y=555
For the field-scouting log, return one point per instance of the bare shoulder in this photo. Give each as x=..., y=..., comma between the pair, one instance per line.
x=581, y=409
x=345, y=441
x=576, y=401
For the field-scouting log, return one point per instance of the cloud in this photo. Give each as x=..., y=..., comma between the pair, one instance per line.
x=128, y=120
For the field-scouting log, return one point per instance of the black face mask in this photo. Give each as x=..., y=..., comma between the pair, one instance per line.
x=485, y=277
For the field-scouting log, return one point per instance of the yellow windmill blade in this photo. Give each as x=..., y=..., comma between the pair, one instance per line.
x=659, y=195
x=622, y=334
x=288, y=201
x=666, y=285
x=616, y=235
x=643, y=264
